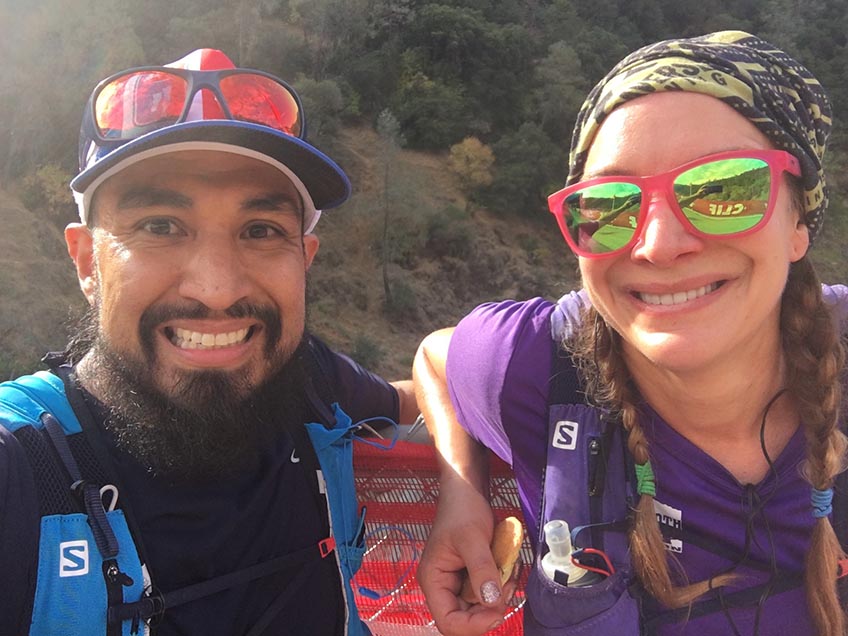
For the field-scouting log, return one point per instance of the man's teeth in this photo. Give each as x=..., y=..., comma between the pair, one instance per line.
x=186, y=339
x=677, y=298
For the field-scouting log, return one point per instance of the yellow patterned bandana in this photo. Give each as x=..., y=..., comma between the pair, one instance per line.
x=764, y=84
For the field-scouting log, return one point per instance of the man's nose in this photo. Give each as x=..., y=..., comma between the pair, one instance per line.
x=664, y=237
x=214, y=273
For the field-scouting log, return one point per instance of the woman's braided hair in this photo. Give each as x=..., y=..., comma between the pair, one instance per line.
x=815, y=359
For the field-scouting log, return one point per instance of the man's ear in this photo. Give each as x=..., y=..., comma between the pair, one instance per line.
x=81, y=249
x=310, y=248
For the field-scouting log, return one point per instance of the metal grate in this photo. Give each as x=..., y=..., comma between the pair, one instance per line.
x=400, y=489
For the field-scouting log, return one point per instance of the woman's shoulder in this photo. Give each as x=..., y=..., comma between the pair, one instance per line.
x=488, y=339
x=538, y=315
x=837, y=297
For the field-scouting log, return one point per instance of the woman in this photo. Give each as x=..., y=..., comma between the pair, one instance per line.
x=706, y=419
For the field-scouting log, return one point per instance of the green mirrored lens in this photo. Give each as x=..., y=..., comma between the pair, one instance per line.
x=726, y=196
x=602, y=218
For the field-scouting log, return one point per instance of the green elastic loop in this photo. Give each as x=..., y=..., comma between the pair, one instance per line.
x=645, y=480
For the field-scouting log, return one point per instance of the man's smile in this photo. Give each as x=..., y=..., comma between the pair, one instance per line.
x=211, y=344
x=188, y=339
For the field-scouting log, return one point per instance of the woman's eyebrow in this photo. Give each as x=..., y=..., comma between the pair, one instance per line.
x=149, y=196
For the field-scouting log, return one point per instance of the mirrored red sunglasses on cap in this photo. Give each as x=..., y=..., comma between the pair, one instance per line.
x=141, y=100
x=722, y=195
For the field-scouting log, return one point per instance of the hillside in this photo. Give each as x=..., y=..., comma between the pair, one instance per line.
x=38, y=286
x=444, y=260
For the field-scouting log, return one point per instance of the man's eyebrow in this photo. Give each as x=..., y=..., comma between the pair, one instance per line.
x=272, y=202
x=148, y=197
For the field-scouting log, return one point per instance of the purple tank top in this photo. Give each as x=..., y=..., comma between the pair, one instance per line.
x=498, y=368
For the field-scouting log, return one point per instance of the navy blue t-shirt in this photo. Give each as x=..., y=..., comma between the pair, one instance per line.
x=192, y=533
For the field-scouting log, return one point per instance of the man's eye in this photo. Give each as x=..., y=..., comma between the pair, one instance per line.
x=261, y=231
x=160, y=227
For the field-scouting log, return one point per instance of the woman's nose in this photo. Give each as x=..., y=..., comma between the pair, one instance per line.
x=664, y=237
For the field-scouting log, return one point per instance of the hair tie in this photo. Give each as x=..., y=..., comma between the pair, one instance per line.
x=821, y=500
x=645, y=479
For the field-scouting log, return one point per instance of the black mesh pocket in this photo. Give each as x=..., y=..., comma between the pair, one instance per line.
x=51, y=478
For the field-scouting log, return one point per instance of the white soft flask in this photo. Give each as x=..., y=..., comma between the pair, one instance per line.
x=557, y=562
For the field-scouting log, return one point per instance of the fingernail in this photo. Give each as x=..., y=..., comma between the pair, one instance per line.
x=490, y=592
x=495, y=625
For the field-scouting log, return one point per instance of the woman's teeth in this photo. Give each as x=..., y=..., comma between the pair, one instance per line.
x=186, y=339
x=676, y=298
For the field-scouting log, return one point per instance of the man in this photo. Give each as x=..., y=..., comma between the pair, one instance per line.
x=182, y=402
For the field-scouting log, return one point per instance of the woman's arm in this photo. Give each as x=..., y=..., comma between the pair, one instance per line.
x=462, y=530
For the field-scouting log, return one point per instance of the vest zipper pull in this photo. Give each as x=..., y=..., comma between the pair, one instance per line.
x=116, y=576
x=596, y=467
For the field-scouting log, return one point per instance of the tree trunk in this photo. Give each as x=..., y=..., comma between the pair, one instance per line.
x=387, y=288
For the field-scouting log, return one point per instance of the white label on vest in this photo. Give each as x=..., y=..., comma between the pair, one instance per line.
x=671, y=518
x=73, y=558
x=565, y=435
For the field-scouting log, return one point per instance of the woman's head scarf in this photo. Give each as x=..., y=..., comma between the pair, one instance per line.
x=773, y=91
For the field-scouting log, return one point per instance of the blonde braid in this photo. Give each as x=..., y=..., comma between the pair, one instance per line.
x=597, y=352
x=815, y=360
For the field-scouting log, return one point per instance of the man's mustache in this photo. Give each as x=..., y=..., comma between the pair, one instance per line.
x=157, y=314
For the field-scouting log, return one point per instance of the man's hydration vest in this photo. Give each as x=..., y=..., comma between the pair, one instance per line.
x=90, y=578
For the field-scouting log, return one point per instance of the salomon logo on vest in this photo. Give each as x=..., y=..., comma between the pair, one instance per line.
x=73, y=558
x=565, y=435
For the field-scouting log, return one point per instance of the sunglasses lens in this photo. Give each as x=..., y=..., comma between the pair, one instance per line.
x=602, y=218
x=261, y=100
x=137, y=103
x=726, y=196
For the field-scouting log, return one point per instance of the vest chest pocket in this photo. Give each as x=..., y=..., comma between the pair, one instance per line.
x=70, y=576
x=606, y=607
x=585, y=485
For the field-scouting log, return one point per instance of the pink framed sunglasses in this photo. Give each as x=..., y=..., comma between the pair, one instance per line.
x=726, y=194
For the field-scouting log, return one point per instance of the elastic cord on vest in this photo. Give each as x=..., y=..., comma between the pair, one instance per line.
x=645, y=479
x=822, y=502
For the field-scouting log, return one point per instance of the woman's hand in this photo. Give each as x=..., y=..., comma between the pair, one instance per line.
x=458, y=547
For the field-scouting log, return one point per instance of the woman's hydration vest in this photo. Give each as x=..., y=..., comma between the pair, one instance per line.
x=590, y=482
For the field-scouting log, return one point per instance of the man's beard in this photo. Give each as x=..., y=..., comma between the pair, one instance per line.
x=210, y=424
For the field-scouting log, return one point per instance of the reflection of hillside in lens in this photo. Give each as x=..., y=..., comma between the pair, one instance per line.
x=739, y=179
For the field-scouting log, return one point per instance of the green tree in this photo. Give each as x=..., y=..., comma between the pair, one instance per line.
x=433, y=115
x=528, y=167
x=489, y=63
x=471, y=161
x=599, y=50
x=560, y=21
x=451, y=38
x=335, y=31
x=560, y=90
x=391, y=141
x=323, y=105
x=47, y=193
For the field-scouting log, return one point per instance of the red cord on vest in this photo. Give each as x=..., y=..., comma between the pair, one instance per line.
x=609, y=572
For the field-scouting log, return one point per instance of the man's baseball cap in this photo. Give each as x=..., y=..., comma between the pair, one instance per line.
x=203, y=102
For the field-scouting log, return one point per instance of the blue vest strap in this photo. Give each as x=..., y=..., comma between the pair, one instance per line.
x=23, y=401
